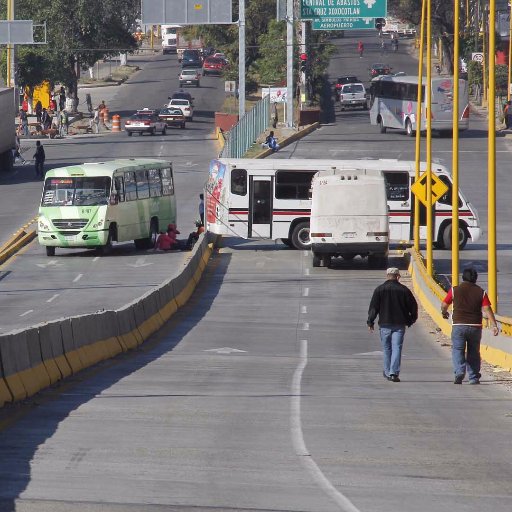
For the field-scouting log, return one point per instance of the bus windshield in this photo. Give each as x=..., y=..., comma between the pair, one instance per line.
x=93, y=191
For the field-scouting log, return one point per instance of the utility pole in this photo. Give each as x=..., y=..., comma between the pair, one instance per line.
x=289, y=63
x=10, y=47
x=241, y=58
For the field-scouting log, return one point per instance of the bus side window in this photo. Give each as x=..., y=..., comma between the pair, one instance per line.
x=447, y=198
x=167, y=182
x=397, y=185
x=293, y=184
x=130, y=186
x=142, y=184
x=119, y=188
x=239, y=182
x=155, y=183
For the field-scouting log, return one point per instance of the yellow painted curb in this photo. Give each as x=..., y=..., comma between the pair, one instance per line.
x=5, y=394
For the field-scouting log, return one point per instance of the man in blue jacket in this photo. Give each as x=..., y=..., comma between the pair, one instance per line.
x=397, y=309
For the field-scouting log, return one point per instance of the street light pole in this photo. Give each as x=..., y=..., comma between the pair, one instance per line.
x=241, y=58
x=428, y=88
x=289, y=63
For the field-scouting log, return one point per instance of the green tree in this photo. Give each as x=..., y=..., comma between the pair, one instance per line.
x=78, y=34
x=270, y=67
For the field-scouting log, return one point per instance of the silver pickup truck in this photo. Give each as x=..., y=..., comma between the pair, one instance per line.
x=353, y=95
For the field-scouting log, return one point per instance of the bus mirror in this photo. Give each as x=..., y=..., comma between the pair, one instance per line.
x=114, y=199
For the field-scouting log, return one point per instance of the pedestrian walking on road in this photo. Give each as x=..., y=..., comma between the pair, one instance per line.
x=39, y=157
x=201, y=208
x=382, y=47
x=397, y=309
x=64, y=122
x=360, y=49
x=24, y=123
x=469, y=300
x=507, y=114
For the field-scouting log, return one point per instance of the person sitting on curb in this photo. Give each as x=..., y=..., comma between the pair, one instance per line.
x=164, y=242
x=194, y=236
x=271, y=142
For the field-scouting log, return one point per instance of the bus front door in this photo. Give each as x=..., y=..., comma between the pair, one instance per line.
x=260, y=207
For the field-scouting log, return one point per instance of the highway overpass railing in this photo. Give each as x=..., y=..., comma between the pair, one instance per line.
x=244, y=134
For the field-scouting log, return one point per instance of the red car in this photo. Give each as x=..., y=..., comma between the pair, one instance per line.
x=213, y=66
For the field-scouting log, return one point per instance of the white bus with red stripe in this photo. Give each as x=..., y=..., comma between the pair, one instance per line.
x=394, y=104
x=271, y=199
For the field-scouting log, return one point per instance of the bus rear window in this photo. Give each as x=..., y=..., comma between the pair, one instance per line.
x=93, y=191
x=293, y=184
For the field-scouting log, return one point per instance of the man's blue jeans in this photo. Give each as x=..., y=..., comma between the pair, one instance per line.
x=466, y=350
x=392, y=339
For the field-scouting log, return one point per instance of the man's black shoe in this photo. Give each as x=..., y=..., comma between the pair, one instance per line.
x=458, y=379
x=386, y=376
x=394, y=378
x=474, y=381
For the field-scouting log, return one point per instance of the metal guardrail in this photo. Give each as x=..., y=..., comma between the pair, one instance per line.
x=244, y=134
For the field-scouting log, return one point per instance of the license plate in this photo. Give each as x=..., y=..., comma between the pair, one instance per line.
x=354, y=101
x=69, y=237
x=137, y=124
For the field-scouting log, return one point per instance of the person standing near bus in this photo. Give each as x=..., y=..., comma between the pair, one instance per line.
x=201, y=208
x=468, y=302
x=397, y=309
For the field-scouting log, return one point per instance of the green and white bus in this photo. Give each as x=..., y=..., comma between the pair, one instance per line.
x=93, y=205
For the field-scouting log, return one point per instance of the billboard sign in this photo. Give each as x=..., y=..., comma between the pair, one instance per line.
x=186, y=12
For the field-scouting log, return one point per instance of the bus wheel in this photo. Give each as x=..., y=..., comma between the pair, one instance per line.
x=382, y=128
x=300, y=236
x=377, y=261
x=408, y=128
x=103, y=250
x=317, y=260
x=50, y=251
x=447, y=237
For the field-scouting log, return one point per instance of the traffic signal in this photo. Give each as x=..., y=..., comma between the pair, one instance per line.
x=303, y=62
x=379, y=23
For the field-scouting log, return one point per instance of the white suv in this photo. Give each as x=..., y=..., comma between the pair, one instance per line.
x=353, y=95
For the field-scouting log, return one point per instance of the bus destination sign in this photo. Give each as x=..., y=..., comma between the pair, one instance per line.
x=318, y=9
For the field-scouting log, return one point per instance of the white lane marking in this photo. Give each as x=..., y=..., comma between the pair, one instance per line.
x=306, y=272
x=51, y=299
x=374, y=353
x=96, y=258
x=260, y=264
x=225, y=350
x=303, y=309
x=306, y=253
x=161, y=150
x=77, y=278
x=305, y=326
x=298, y=438
x=139, y=262
x=305, y=292
x=27, y=312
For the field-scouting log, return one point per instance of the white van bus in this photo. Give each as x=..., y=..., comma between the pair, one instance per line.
x=349, y=216
x=270, y=199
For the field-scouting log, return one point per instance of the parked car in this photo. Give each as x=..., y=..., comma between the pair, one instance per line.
x=145, y=121
x=213, y=66
x=353, y=95
x=172, y=116
x=183, y=95
x=379, y=69
x=221, y=55
x=345, y=79
x=189, y=77
x=184, y=106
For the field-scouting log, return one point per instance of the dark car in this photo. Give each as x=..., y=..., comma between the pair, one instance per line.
x=342, y=80
x=191, y=59
x=379, y=69
x=182, y=95
x=213, y=66
x=172, y=117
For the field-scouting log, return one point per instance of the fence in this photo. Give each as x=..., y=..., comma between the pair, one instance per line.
x=244, y=134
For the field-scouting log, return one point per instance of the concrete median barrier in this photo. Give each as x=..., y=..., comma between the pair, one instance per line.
x=168, y=304
x=34, y=358
x=75, y=356
x=52, y=347
x=14, y=359
x=129, y=335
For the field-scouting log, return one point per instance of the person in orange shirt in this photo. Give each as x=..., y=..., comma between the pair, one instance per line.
x=164, y=242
